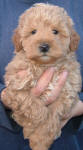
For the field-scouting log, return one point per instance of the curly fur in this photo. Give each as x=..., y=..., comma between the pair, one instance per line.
x=42, y=124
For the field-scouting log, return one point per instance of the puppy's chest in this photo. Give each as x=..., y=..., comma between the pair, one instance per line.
x=37, y=73
x=71, y=86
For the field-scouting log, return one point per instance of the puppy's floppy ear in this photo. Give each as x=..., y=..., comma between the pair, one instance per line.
x=74, y=40
x=17, y=40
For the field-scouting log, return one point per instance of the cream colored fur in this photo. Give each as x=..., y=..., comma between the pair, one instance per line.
x=42, y=124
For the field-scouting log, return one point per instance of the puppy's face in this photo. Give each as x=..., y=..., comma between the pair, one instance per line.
x=44, y=33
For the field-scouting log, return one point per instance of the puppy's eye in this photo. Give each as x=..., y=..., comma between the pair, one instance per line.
x=33, y=32
x=55, y=31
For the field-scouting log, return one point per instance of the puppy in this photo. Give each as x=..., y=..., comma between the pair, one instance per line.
x=44, y=37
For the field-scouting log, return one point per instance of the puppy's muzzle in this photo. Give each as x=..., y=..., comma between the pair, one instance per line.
x=44, y=47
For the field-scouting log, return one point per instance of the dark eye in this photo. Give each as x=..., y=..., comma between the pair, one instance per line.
x=55, y=31
x=33, y=32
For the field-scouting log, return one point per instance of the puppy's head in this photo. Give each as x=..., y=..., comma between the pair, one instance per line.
x=45, y=33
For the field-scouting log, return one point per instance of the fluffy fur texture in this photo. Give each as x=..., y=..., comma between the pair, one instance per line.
x=42, y=124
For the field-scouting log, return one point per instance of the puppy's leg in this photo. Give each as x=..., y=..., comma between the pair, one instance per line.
x=30, y=113
x=44, y=135
x=8, y=98
x=64, y=105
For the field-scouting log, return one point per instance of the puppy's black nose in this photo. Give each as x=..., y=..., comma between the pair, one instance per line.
x=44, y=47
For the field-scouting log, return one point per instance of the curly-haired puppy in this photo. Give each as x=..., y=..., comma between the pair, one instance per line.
x=44, y=37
